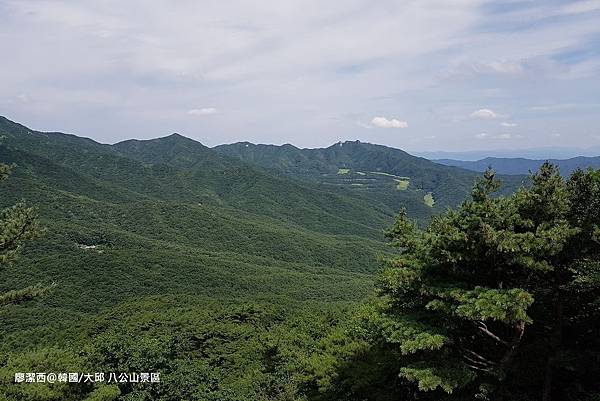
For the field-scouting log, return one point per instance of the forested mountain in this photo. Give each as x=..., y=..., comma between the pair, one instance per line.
x=521, y=166
x=148, y=226
x=378, y=172
x=247, y=272
x=173, y=192
x=213, y=225
x=207, y=178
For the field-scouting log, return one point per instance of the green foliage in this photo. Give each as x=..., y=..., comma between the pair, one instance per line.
x=49, y=359
x=18, y=224
x=430, y=378
x=25, y=294
x=497, y=297
x=104, y=393
x=203, y=349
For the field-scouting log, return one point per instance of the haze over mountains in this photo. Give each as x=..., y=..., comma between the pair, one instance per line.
x=181, y=217
x=540, y=153
x=523, y=166
x=286, y=200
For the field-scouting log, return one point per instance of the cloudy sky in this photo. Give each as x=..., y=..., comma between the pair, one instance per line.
x=414, y=74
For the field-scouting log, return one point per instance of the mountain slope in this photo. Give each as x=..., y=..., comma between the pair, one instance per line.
x=243, y=186
x=524, y=166
x=378, y=172
x=180, y=169
x=136, y=220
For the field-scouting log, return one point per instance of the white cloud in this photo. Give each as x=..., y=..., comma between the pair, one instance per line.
x=203, y=111
x=552, y=107
x=485, y=135
x=383, y=122
x=486, y=114
x=499, y=67
x=150, y=65
x=565, y=106
x=508, y=125
x=581, y=7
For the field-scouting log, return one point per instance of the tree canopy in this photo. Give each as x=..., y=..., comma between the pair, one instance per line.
x=498, y=299
x=18, y=224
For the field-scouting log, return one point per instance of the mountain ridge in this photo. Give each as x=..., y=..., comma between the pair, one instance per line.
x=520, y=165
x=371, y=174
x=392, y=175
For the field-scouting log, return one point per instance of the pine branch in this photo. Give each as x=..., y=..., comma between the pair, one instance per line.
x=478, y=368
x=17, y=224
x=26, y=220
x=26, y=294
x=484, y=329
x=480, y=359
x=473, y=362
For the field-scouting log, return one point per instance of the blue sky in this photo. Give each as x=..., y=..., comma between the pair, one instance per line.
x=418, y=74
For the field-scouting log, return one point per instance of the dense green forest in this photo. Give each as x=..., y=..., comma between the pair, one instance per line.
x=256, y=273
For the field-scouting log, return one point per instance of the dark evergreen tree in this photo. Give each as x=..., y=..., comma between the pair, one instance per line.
x=498, y=299
x=18, y=224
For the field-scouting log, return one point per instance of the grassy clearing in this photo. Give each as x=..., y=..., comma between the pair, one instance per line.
x=402, y=185
x=428, y=199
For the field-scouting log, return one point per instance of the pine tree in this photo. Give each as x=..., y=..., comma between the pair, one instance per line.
x=496, y=297
x=18, y=224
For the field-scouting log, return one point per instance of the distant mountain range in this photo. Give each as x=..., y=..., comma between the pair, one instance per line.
x=523, y=166
x=541, y=153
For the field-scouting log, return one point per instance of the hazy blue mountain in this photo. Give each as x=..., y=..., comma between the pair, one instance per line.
x=541, y=153
x=523, y=166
